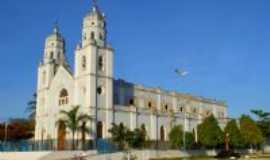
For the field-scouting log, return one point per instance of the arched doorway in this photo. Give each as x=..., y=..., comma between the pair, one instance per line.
x=61, y=136
x=99, y=130
x=162, y=134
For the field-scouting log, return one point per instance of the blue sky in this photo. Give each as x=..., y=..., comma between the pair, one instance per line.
x=223, y=44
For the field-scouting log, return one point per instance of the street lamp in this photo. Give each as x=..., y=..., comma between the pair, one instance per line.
x=182, y=73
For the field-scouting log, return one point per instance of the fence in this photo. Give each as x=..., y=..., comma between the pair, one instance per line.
x=101, y=145
x=48, y=145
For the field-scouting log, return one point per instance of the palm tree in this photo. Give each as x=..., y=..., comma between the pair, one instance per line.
x=84, y=130
x=72, y=120
x=120, y=135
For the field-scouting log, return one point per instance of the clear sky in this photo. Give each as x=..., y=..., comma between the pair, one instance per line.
x=225, y=45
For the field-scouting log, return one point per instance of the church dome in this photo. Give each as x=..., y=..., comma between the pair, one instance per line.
x=55, y=35
x=95, y=12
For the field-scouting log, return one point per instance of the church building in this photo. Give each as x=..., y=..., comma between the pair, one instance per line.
x=92, y=86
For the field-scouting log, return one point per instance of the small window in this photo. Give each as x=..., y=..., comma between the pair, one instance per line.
x=99, y=90
x=100, y=62
x=181, y=109
x=92, y=35
x=131, y=102
x=83, y=62
x=149, y=105
x=100, y=36
x=166, y=107
x=51, y=55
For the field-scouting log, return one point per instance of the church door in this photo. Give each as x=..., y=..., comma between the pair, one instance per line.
x=61, y=136
x=99, y=130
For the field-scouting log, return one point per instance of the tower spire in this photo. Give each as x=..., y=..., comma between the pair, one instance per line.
x=95, y=5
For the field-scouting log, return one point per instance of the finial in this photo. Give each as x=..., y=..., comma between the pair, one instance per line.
x=95, y=5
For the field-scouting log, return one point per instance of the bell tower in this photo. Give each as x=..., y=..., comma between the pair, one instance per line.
x=94, y=69
x=94, y=27
x=53, y=57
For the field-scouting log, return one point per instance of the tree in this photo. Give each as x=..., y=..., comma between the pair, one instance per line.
x=251, y=133
x=31, y=107
x=235, y=136
x=209, y=133
x=84, y=130
x=176, y=137
x=125, y=138
x=72, y=120
x=263, y=121
x=120, y=135
x=189, y=140
x=138, y=138
x=18, y=129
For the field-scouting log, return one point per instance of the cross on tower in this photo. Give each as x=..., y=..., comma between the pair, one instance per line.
x=56, y=27
x=94, y=3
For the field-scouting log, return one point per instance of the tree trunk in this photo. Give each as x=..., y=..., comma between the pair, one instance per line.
x=73, y=140
x=83, y=140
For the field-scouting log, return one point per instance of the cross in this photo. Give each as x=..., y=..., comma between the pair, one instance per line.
x=94, y=3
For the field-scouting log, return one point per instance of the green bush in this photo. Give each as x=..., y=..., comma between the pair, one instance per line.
x=176, y=137
x=210, y=134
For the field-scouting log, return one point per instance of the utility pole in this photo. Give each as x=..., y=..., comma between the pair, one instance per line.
x=184, y=132
x=6, y=131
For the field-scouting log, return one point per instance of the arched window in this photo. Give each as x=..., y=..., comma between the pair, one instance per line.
x=149, y=105
x=100, y=36
x=92, y=35
x=100, y=62
x=83, y=62
x=166, y=107
x=162, y=133
x=63, y=97
x=181, y=109
x=131, y=101
x=51, y=55
x=100, y=90
x=44, y=77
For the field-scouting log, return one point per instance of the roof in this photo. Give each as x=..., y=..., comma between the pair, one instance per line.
x=170, y=93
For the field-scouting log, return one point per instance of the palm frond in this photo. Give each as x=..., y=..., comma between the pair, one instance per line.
x=85, y=117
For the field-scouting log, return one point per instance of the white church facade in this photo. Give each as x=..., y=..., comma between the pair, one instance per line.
x=92, y=86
